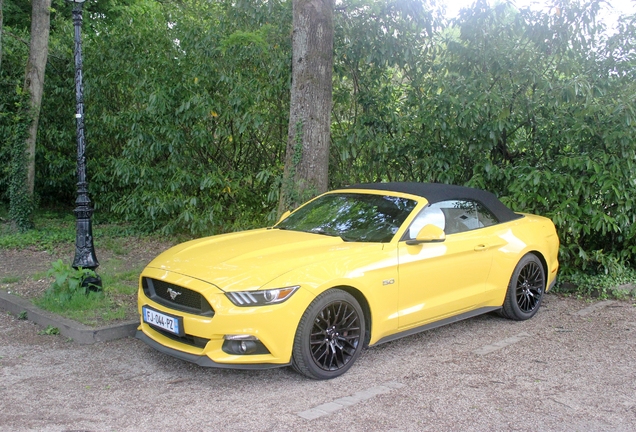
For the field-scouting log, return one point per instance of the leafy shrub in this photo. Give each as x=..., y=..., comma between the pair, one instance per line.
x=50, y=331
x=67, y=282
x=599, y=284
x=537, y=107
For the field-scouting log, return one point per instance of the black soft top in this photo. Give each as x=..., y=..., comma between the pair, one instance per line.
x=436, y=192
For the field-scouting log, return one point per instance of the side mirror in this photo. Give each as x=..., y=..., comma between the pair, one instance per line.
x=428, y=234
x=284, y=215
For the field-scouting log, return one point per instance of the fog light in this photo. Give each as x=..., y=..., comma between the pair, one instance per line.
x=243, y=345
x=246, y=347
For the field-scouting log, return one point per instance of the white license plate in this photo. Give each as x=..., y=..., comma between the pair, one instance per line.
x=164, y=321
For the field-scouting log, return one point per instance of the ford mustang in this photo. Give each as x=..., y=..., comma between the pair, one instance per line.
x=351, y=268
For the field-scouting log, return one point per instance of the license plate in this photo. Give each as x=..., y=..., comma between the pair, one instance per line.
x=169, y=323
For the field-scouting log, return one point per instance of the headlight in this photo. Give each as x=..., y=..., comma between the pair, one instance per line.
x=261, y=298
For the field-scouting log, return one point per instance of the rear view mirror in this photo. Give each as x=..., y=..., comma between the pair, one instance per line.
x=428, y=234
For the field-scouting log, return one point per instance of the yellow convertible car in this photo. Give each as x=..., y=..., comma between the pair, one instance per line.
x=351, y=268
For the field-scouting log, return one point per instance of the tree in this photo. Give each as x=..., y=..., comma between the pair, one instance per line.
x=34, y=77
x=307, y=154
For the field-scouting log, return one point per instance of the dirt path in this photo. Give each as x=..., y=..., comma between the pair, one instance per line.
x=571, y=368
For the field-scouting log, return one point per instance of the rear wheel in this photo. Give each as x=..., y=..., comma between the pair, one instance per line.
x=330, y=336
x=525, y=290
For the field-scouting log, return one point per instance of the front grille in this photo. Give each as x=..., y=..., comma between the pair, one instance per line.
x=176, y=297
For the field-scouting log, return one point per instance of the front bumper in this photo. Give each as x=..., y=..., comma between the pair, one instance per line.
x=201, y=360
x=274, y=326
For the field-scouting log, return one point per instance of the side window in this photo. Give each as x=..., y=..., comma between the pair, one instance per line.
x=460, y=216
x=486, y=218
x=453, y=216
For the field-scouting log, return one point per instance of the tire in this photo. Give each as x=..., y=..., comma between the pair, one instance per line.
x=329, y=337
x=525, y=290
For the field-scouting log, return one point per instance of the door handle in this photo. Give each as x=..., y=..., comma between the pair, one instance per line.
x=481, y=247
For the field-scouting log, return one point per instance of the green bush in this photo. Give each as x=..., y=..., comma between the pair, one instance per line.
x=67, y=283
x=537, y=107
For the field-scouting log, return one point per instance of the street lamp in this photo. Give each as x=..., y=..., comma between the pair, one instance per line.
x=84, y=249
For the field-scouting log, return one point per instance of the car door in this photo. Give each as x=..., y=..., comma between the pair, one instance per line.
x=438, y=280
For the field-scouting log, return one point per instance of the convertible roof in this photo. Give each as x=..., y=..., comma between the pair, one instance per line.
x=436, y=192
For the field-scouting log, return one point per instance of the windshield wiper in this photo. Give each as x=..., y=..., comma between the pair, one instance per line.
x=323, y=232
x=320, y=231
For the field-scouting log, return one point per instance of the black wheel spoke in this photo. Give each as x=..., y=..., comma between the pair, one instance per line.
x=330, y=335
x=335, y=335
x=525, y=290
x=529, y=287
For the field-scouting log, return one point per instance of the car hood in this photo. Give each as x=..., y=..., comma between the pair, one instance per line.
x=248, y=260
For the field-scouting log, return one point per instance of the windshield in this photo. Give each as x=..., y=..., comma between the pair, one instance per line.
x=351, y=216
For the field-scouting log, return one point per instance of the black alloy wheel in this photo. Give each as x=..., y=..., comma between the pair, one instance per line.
x=530, y=285
x=330, y=336
x=525, y=290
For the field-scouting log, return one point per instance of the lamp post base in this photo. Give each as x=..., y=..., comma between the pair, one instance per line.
x=91, y=283
x=84, y=249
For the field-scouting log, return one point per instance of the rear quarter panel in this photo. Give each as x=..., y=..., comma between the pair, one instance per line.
x=513, y=240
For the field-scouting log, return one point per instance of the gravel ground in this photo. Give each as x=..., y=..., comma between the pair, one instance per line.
x=570, y=368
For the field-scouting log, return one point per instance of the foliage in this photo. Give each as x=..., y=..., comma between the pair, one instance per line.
x=15, y=116
x=22, y=203
x=603, y=285
x=57, y=228
x=50, y=330
x=119, y=271
x=68, y=297
x=190, y=156
x=14, y=126
x=67, y=282
x=292, y=193
x=187, y=112
x=376, y=42
x=533, y=106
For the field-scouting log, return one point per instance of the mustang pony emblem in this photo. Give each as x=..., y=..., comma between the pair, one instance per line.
x=173, y=294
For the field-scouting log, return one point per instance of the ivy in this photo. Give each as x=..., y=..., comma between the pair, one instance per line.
x=16, y=130
x=294, y=193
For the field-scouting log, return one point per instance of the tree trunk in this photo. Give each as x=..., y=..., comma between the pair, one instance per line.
x=307, y=156
x=34, y=77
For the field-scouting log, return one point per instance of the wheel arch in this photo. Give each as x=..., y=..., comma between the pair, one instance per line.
x=544, y=263
x=364, y=304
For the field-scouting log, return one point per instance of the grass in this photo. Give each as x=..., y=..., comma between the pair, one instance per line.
x=53, y=229
x=9, y=279
x=91, y=309
x=54, y=232
x=94, y=308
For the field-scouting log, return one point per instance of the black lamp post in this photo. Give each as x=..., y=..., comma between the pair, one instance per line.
x=84, y=249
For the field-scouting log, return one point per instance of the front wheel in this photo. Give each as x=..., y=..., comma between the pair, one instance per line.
x=330, y=336
x=525, y=290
